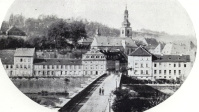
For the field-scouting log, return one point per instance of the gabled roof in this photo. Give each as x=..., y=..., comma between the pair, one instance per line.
x=171, y=58
x=23, y=52
x=57, y=62
x=140, y=51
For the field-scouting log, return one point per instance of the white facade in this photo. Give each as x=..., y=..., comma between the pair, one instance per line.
x=94, y=63
x=171, y=70
x=58, y=70
x=140, y=67
x=23, y=66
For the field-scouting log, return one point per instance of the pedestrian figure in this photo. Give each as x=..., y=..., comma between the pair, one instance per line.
x=100, y=91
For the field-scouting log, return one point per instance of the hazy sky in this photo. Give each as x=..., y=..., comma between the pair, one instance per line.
x=158, y=15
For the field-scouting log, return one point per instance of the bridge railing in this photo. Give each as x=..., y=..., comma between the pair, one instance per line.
x=76, y=99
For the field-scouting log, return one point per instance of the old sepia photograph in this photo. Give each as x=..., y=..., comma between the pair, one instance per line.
x=97, y=55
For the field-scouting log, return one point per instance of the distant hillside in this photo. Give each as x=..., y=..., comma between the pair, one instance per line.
x=39, y=28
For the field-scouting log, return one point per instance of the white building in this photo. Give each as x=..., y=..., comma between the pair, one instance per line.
x=94, y=63
x=144, y=65
x=140, y=64
x=23, y=61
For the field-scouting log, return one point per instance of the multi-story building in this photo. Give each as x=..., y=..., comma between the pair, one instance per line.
x=26, y=64
x=144, y=65
x=23, y=61
x=57, y=67
x=94, y=63
x=140, y=64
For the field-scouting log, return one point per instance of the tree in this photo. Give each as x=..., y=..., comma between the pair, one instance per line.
x=58, y=33
x=77, y=31
x=4, y=27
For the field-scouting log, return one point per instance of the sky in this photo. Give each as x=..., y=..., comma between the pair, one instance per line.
x=158, y=15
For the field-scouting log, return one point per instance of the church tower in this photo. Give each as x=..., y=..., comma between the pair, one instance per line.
x=126, y=30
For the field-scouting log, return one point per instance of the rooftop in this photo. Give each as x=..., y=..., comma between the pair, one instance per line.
x=57, y=62
x=171, y=58
x=24, y=52
x=114, y=41
x=140, y=51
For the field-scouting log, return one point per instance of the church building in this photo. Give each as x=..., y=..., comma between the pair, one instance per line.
x=124, y=43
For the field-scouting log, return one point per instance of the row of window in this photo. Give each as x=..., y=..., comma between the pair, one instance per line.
x=94, y=62
x=165, y=72
x=141, y=65
x=94, y=67
x=174, y=65
x=55, y=73
x=142, y=72
x=58, y=66
x=23, y=60
x=94, y=56
x=23, y=66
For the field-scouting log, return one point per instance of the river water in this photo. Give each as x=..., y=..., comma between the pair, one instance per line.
x=50, y=92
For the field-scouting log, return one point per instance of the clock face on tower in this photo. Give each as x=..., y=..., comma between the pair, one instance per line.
x=97, y=55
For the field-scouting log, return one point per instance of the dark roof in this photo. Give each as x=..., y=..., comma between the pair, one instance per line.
x=171, y=58
x=140, y=51
x=7, y=56
x=57, y=62
x=15, y=31
x=114, y=41
x=24, y=52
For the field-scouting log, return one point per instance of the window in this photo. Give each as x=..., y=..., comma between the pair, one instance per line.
x=21, y=66
x=159, y=71
x=179, y=72
x=52, y=66
x=21, y=60
x=154, y=71
x=87, y=56
x=185, y=65
x=92, y=56
x=141, y=65
x=141, y=71
x=6, y=66
x=155, y=65
x=136, y=71
x=179, y=65
x=169, y=72
x=10, y=66
x=17, y=66
x=43, y=66
x=165, y=77
x=174, y=65
x=174, y=72
x=147, y=65
x=147, y=72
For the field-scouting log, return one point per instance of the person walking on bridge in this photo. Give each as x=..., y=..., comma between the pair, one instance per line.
x=100, y=91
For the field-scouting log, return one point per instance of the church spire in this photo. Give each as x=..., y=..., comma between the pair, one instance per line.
x=126, y=18
x=126, y=30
